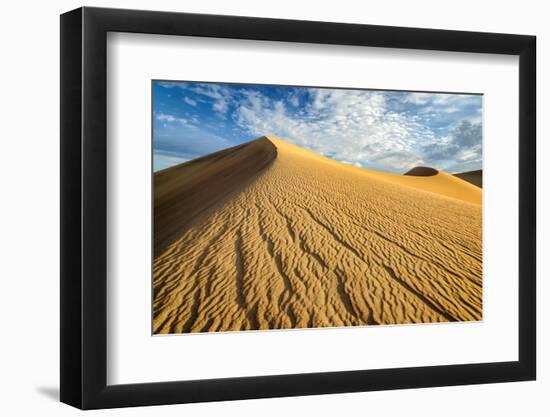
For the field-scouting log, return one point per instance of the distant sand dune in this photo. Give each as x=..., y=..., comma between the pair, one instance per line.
x=278, y=237
x=422, y=172
x=473, y=177
x=440, y=182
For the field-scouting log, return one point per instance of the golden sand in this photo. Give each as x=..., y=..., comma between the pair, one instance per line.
x=268, y=235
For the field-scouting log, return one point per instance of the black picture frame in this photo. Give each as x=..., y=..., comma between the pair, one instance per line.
x=84, y=207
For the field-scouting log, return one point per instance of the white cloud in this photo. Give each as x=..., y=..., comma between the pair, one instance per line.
x=190, y=101
x=167, y=84
x=346, y=125
x=168, y=118
x=220, y=95
x=417, y=98
x=390, y=131
x=357, y=164
x=461, y=150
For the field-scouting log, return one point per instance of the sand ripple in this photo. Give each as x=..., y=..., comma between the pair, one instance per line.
x=305, y=241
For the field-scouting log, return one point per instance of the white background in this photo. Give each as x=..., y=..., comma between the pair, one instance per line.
x=133, y=60
x=29, y=213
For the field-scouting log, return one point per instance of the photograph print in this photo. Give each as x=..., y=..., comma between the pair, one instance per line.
x=294, y=207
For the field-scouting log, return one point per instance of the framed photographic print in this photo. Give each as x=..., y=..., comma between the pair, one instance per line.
x=258, y=207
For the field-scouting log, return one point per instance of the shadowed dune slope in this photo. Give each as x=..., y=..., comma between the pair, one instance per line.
x=185, y=190
x=307, y=241
x=473, y=177
x=422, y=172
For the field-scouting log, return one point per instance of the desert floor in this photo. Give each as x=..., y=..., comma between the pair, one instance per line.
x=268, y=235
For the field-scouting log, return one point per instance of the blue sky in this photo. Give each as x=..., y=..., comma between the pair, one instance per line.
x=391, y=131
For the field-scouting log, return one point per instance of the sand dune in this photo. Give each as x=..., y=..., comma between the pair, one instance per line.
x=440, y=182
x=278, y=237
x=186, y=190
x=422, y=172
x=473, y=177
x=432, y=180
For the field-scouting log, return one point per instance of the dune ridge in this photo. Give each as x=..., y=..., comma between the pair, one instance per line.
x=184, y=191
x=300, y=240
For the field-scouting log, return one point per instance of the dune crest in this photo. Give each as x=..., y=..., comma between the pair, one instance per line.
x=299, y=240
x=186, y=190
